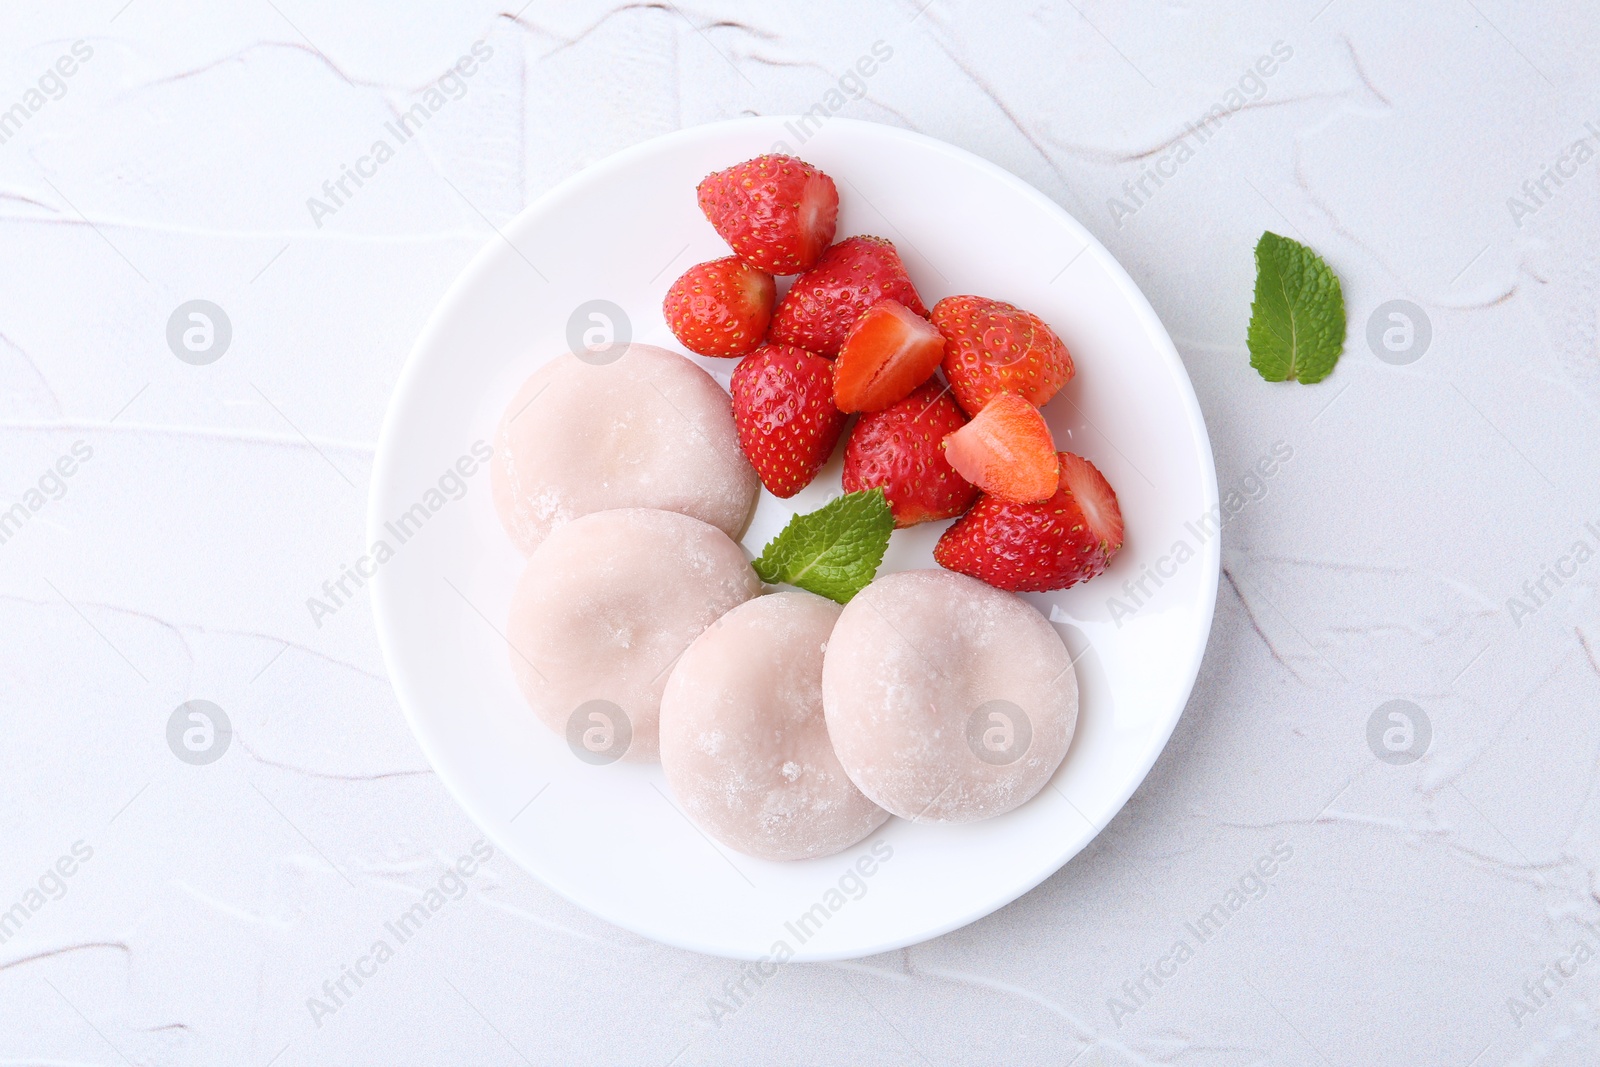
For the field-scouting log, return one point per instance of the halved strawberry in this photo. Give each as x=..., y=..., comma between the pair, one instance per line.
x=819, y=309
x=898, y=448
x=993, y=347
x=1006, y=450
x=777, y=212
x=720, y=308
x=1068, y=539
x=783, y=410
x=889, y=351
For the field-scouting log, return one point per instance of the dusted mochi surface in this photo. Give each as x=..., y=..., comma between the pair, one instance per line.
x=744, y=745
x=606, y=605
x=647, y=430
x=913, y=661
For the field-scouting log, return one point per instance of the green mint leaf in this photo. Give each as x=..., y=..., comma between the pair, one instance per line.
x=835, y=550
x=1297, y=322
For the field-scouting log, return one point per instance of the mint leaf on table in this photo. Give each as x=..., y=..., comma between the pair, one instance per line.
x=1297, y=323
x=835, y=550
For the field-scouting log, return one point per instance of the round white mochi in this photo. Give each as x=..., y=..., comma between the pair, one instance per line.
x=648, y=429
x=947, y=700
x=743, y=742
x=604, y=608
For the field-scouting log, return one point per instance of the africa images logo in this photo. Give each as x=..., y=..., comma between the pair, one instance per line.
x=1250, y=88
x=753, y=974
x=336, y=191
x=1541, y=189
x=1203, y=528
x=451, y=486
x=50, y=85
x=450, y=886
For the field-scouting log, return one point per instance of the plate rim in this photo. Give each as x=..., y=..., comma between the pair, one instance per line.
x=490, y=252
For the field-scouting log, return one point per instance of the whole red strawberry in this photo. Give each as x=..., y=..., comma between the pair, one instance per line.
x=783, y=410
x=1032, y=548
x=898, y=448
x=854, y=274
x=777, y=212
x=720, y=308
x=992, y=347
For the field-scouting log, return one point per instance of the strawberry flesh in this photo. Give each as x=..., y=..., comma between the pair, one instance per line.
x=898, y=450
x=776, y=212
x=1067, y=539
x=1096, y=499
x=1006, y=450
x=784, y=414
x=823, y=303
x=889, y=351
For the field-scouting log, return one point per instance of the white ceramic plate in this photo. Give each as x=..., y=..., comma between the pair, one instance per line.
x=608, y=838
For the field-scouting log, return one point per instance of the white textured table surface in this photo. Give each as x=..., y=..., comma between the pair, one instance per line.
x=1428, y=540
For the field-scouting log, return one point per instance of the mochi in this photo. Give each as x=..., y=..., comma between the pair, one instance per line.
x=606, y=605
x=744, y=744
x=947, y=700
x=649, y=429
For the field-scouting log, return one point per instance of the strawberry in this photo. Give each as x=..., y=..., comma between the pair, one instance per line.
x=854, y=274
x=720, y=308
x=777, y=212
x=992, y=347
x=1007, y=451
x=783, y=410
x=898, y=448
x=889, y=351
x=1068, y=539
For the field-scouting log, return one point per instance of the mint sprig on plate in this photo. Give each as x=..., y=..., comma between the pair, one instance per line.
x=833, y=551
x=1297, y=323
